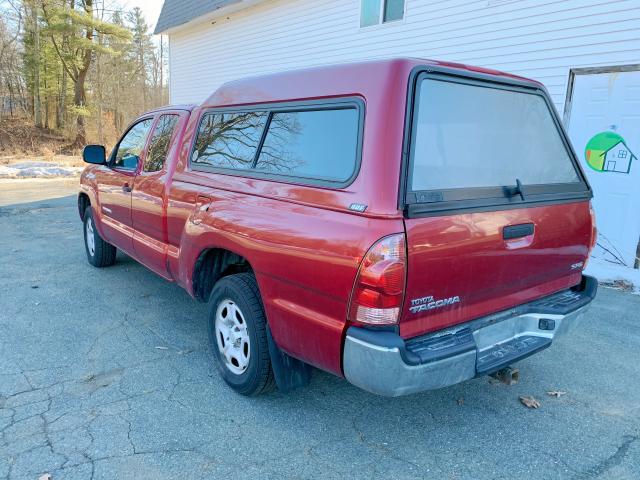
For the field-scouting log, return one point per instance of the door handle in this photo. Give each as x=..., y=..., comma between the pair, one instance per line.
x=517, y=231
x=126, y=188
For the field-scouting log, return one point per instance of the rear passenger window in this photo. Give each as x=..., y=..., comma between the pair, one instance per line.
x=320, y=144
x=229, y=140
x=160, y=141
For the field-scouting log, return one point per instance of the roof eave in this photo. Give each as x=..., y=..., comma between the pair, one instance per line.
x=207, y=17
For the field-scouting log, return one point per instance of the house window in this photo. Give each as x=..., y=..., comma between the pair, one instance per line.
x=374, y=12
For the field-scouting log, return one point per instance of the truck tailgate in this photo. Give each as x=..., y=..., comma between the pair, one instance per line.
x=461, y=267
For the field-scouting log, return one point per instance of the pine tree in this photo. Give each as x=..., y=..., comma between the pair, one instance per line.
x=72, y=28
x=143, y=52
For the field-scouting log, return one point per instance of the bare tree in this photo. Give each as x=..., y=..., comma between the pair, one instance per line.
x=12, y=87
x=83, y=59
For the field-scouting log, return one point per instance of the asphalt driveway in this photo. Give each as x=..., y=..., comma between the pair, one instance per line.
x=106, y=374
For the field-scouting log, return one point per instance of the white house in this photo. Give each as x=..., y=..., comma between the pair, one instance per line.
x=586, y=52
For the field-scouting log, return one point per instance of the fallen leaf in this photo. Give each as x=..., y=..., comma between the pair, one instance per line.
x=460, y=401
x=623, y=285
x=529, y=402
x=556, y=393
x=619, y=284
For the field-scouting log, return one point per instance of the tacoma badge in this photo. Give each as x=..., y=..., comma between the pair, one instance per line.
x=428, y=303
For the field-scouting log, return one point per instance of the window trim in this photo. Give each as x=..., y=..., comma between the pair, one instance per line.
x=449, y=201
x=339, y=103
x=143, y=153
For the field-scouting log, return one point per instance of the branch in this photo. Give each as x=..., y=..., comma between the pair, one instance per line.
x=56, y=47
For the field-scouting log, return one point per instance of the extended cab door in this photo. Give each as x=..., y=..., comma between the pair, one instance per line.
x=497, y=207
x=149, y=198
x=115, y=183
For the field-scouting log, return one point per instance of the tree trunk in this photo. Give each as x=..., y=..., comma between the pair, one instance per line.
x=37, y=107
x=10, y=86
x=79, y=94
x=161, y=71
x=98, y=88
x=79, y=100
x=46, y=98
x=62, y=102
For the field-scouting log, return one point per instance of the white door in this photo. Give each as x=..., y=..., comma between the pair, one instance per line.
x=604, y=126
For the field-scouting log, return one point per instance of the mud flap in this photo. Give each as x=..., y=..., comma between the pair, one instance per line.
x=290, y=373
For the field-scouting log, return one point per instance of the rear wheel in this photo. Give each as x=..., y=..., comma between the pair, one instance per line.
x=99, y=253
x=237, y=335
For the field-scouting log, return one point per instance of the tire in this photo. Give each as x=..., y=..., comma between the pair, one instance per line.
x=237, y=321
x=99, y=253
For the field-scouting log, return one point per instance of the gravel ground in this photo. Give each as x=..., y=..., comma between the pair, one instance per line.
x=106, y=374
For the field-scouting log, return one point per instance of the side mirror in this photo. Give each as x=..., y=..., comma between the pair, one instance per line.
x=94, y=154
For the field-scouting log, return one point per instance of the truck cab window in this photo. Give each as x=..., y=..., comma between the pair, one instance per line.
x=160, y=141
x=131, y=145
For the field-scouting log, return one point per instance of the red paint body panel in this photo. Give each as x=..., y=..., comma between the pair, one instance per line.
x=304, y=257
x=115, y=203
x=303, y=242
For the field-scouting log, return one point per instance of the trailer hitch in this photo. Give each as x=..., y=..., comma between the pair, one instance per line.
x=507, y=375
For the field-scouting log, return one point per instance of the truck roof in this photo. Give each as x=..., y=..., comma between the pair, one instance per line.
x=358, y=78
x=185, y=106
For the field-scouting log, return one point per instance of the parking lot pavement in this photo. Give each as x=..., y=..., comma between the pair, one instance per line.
x=105, y=374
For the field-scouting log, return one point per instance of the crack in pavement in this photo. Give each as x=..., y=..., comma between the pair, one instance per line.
x=611, y=461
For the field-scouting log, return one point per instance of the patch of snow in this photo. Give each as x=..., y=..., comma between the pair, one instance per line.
x=607, y=272
x=38, y=170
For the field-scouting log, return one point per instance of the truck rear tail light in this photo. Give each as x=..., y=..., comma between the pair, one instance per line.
x=594, y=228
x=379, y=287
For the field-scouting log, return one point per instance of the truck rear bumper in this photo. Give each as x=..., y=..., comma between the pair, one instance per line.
x=383, y=363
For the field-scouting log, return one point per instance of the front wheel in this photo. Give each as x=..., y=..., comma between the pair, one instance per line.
x=99, y=253
x=237, y=335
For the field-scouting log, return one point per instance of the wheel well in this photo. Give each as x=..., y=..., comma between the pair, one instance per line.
x=83, y=203
x=211, y=266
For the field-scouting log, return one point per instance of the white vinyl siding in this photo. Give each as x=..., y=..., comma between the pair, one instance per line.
x=540, y=39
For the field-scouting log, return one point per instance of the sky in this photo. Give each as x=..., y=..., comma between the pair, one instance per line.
x=150, y=8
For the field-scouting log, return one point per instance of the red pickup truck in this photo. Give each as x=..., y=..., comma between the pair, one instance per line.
x=407, y=224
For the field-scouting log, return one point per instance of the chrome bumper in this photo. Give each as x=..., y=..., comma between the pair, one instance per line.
x=383, y=363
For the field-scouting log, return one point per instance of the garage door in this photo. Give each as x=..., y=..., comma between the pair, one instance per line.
x=604, y=126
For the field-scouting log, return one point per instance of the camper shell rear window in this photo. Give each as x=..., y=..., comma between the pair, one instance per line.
x=475, y=143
